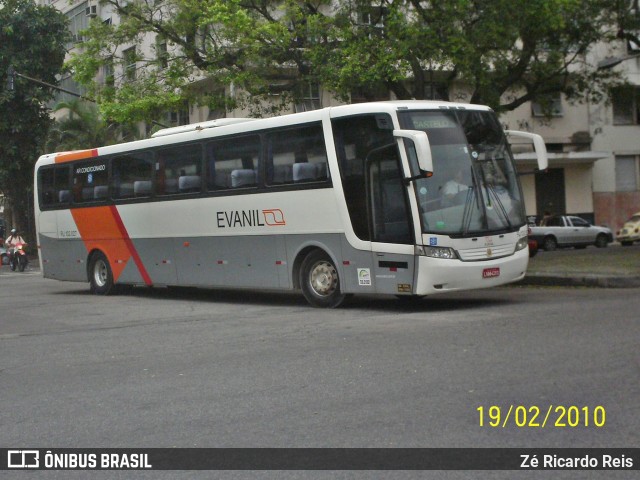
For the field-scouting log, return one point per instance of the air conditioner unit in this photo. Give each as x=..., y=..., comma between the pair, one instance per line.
x=92, y=11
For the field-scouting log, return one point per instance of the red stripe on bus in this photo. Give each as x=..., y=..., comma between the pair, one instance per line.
x=130, y=246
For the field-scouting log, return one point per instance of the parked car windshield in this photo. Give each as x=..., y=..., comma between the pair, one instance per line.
x=474, y=188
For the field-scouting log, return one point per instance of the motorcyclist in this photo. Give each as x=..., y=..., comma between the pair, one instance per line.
x=14, y=239
x=12, y=242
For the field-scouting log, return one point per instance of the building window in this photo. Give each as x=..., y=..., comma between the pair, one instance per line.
x=70, y=85
x=108, y=77
x=162, y=54
x=626, y=105
x=375, y=93
x=626, y=173
x=633, y=47
x=549, y=105
x=309, y=97
x=177, y=117
x=129, y=63
x=371, y=20
x=78, y=21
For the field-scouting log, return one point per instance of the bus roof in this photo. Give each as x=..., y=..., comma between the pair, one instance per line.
x=220, y=122
x=223, y=126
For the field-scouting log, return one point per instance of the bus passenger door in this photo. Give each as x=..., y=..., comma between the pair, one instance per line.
x=389, y=222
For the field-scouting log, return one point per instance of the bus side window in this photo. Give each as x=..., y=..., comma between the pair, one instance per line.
x=87, y=178
x=179, y=170
x=296, y=155
x=233, y=163
x=132, y=175
x=47, y=187
x=54, y=185
x=355, y=137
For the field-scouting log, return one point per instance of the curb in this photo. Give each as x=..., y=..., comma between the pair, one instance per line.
x=586, y=280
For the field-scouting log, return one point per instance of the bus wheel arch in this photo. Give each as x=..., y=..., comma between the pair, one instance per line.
x=100, y=273
x=317, y=275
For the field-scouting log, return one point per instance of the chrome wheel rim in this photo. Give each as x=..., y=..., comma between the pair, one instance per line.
x=100, y=273
x=323, y=278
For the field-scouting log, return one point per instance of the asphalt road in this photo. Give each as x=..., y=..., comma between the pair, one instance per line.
x=158, y=368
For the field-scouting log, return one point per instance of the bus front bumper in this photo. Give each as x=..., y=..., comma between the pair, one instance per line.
x=440, y=275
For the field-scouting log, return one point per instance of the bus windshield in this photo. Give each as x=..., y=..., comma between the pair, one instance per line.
x=474, y=189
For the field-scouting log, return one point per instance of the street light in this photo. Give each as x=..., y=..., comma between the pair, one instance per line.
x=12, y=74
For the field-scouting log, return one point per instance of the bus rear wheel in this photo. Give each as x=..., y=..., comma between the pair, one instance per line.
x=320, y=281
x=100, y=275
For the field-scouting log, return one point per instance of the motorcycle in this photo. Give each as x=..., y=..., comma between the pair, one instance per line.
x=4, y=256
x=18, y=258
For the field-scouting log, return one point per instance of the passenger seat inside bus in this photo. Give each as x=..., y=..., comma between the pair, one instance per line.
x=304, y=172
x=282, y=174
x=171, y=185
x=142, y=188
x=87, y=193
x=101, y=191
x=189, y=183
x=243, y=178
x=64, y=196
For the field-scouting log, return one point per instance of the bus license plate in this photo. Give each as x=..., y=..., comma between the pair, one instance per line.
x=491, y=272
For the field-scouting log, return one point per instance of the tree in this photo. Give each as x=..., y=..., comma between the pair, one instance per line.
x=84, y=128
x=248, y=44
x=501, y=52
x=32, y=43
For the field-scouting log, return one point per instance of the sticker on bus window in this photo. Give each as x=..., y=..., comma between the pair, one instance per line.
x=364, y=277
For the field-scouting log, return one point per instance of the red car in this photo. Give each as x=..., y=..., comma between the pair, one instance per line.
x=533, y=245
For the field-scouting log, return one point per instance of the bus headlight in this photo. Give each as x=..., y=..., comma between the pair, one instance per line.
x=523, y=242
x=436, y=252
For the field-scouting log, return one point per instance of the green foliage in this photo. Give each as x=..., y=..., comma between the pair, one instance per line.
x=504, y=52
x=83, y=128
x=32, y=42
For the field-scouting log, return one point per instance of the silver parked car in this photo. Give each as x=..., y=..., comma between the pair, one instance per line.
x=570, y=231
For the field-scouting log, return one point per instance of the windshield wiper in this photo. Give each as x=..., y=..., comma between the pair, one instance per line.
x=492, y=192
x=468, y=211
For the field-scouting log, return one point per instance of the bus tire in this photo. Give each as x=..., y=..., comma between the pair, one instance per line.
x=100, y=275
x=320, y=281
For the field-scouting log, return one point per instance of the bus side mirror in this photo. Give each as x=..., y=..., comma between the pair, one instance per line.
x=418, y=150
x=538, y=145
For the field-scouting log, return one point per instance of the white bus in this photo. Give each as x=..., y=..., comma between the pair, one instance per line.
x=339, y=201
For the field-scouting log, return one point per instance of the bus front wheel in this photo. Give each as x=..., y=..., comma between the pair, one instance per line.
x=320, y=281
x=100, y=275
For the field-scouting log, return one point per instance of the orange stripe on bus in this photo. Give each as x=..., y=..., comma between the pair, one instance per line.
x=79, y=155
x=100, y=230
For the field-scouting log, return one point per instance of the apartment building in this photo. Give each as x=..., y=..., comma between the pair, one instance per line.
x=594, y=167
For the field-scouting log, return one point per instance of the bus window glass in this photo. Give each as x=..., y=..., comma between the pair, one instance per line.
x=355, y=138
x=179, y=170
x=388, y=199
x=296, y=155
x=474, y=188
x=233, y=163
x=132, y=175
x=90, y=182
x=54, y=184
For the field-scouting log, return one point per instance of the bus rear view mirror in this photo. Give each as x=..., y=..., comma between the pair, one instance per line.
x=418, y=149
x=538, y=145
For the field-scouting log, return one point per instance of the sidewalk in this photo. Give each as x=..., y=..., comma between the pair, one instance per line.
x=611, y=267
